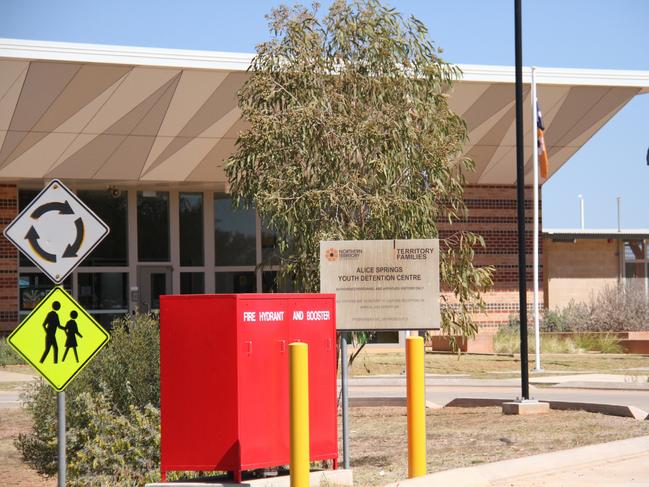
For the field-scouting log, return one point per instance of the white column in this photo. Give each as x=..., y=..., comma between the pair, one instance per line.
x=535, y=158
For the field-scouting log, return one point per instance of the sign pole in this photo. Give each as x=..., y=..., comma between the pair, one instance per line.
x=60, y=402
x=345, y=398
x=520, y=193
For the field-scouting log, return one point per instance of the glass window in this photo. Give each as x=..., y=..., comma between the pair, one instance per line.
x=270, y=283
x=634, y=250
x=269, y=250
x=236, y=282
x=33, y=286
x=25, y=196
x=234, y=233
x=103, y=290
x=191, y=229
x=192, y=283
x=111, y=207
x=153, y=226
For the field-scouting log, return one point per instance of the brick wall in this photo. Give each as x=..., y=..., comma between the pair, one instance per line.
x=578, y=270
x=8, y=261
x=492, y=214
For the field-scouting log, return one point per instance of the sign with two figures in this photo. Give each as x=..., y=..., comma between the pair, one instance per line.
x=56, y=231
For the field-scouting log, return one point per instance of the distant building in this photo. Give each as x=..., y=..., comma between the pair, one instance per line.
x=579, y=263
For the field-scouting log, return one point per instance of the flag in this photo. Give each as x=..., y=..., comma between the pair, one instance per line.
x=543, y=152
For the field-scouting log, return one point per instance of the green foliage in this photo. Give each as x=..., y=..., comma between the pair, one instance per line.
x=113, y=449
x=7, y=354
x=111, y=411
x=351, y=138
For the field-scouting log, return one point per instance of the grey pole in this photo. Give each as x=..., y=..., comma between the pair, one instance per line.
x=60, y=409
x=619, y=221
x=345, y=399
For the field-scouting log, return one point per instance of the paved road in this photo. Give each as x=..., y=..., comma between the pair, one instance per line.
x=443, y=394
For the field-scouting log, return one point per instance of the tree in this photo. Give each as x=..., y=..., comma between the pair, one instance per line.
x=351, y=137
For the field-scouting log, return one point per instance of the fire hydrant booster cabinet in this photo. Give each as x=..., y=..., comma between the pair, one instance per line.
x=224, y=379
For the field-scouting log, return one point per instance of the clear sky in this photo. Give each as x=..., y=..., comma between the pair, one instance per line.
x=557, y=33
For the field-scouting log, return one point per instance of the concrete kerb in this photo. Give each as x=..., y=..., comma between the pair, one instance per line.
x=471, y=402
x=521, y=468
x=340, y=477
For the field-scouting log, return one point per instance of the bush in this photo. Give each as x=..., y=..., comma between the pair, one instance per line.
x=111, y=411
x=508, y=341
x=7, y=354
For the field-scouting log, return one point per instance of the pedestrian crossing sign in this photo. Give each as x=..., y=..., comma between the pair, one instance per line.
x=58, y=338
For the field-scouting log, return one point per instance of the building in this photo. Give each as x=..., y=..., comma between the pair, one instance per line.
x=141, y=135
x=580, y=263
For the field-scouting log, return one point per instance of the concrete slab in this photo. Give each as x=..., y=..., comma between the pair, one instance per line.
x=323, y=477
x=615, y=378
x=525, y=408
x=562, y=468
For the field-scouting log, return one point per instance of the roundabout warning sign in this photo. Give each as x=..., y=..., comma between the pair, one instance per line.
x=56, y=231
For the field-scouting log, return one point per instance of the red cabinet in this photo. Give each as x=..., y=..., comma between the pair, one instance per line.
x=224, y=379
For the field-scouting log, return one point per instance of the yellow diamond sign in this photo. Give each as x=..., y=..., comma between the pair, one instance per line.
x=58, y=338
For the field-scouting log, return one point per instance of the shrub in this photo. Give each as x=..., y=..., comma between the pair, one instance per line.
x=121, y=384
x=7, y=354
x=508, y=341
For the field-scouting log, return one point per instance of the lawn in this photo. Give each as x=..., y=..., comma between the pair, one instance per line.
x=462, y=437
x=501, y=366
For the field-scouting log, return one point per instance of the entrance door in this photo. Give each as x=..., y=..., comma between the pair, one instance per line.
x=153, y=281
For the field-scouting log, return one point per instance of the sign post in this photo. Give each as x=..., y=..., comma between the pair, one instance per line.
x=379, y=285
x=56, y=231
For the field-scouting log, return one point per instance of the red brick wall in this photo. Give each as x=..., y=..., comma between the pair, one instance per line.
x=492, y=214
x=8, y=261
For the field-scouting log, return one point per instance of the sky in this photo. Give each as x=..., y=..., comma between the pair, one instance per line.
x=603, y=34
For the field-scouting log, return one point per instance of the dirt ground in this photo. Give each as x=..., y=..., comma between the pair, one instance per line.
x=481, y=366
x=462, y=437
x=12, y=471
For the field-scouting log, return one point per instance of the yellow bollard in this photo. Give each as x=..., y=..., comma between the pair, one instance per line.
x=299, y=410
x=416, y=406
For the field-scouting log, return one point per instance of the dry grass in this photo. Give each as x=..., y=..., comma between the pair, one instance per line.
x=462, y=437
x=481, y=366
x=12, y=470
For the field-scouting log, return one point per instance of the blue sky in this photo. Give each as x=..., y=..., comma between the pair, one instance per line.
x=560, y=33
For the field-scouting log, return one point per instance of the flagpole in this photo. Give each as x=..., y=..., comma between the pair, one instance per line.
x=535, y=158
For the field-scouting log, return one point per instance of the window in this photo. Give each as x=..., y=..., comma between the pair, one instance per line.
x=111, y=207
x=32, y=288
x=103, y=290
x=235, y=282
x=234, y=233
x=153, y=226
x=191, y=229
x=192, y=283
x=635, y=264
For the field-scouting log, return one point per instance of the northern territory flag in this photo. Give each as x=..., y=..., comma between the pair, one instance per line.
x=543, y=152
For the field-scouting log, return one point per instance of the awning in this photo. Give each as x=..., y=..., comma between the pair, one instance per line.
x=136, y=115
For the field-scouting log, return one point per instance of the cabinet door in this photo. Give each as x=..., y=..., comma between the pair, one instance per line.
x=263, y=393
x=313, y=322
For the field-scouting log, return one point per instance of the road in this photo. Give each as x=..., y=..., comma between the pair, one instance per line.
x=442, y=394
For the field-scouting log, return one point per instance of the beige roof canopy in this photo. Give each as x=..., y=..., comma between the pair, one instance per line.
x=123, y=114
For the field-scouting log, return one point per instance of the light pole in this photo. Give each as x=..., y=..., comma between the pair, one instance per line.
x=581, y=211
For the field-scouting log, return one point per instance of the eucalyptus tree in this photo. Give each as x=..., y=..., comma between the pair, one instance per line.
x=350, y=136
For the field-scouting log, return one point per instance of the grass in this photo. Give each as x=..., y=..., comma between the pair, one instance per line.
x=463, y=437
x=480, y=366
x=508, y=341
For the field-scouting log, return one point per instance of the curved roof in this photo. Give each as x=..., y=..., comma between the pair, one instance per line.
x=136, y=115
